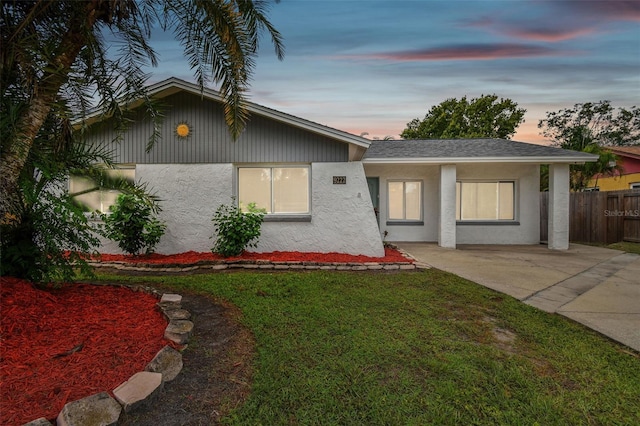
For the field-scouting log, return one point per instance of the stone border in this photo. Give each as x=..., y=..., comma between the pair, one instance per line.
x=141, y=388
x=221, y=265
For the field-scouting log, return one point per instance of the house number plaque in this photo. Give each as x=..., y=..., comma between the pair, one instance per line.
x=339, y=180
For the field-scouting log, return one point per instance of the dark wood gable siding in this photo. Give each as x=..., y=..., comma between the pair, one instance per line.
x=263, y=141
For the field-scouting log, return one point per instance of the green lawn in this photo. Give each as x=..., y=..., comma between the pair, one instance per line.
x=626, y=246
x=416, y=348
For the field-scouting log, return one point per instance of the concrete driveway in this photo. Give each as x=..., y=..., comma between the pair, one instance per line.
x=597, y=287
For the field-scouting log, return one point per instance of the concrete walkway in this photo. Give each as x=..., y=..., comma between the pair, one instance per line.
x=597, y=287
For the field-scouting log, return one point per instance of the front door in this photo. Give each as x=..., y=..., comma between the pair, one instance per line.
x=374, y=191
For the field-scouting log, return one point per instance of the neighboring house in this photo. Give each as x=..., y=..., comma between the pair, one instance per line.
x=628, y=175
x=330, y=191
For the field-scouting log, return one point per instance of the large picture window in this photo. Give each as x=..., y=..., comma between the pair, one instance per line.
x=489, y=200
x=405, y=200
x=94, y=196
x=278, y=190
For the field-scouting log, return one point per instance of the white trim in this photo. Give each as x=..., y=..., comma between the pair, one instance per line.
x=404, y=220
x=577, y=159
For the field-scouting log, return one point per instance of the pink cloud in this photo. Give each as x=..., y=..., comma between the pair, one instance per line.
x=609, y=10
x=548, y=34
x=463, y=52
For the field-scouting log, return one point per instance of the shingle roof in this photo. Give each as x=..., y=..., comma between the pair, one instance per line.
x=468, y=150
x=627, y=151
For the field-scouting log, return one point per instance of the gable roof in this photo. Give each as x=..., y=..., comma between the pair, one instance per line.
x=626, y=151
x=174, y=85
x=439, y=151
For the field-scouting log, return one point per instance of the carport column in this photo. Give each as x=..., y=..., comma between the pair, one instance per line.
x=447, y=229
x=558, y=206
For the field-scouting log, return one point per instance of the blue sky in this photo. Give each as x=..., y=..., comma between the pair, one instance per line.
x=372, y=66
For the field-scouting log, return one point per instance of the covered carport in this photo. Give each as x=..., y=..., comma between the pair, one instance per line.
x=440, y=167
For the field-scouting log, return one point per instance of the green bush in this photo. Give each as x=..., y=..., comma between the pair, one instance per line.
x=235, y=229
x=132, y=225
x=51, y=240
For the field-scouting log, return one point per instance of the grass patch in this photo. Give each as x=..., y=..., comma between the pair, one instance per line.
x=416, y=348
x=626, y=246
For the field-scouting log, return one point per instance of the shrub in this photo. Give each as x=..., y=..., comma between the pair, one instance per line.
x=50, y=242
x=236, y=230
x=132, y=225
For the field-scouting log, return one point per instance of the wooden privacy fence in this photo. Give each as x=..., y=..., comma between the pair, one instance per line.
x=598, y=217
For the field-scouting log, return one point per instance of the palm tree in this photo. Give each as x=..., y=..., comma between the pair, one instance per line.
x=55, y=52
x=58, y=56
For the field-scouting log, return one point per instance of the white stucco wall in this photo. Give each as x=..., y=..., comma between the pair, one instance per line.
x=527, y=204
x=430, y=177
x=342, y=215
x=342, y=220
x=558, y=229
x=447, y=229
x=189, y=195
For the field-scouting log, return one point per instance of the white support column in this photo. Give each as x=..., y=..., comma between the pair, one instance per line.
x=558, y=206
x=447, y=227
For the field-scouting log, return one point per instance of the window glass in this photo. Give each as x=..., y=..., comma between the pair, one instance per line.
x=291, y=190
x=485, y=201
x=405, y=200
x=254, y=186
x=412, y=200
x=396, y=200
x=92, y=195
x=506, y=209
x=279, y=190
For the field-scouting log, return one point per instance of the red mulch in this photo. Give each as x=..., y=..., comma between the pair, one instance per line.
x=120, y=332
x=191, y=257
x=61, y=345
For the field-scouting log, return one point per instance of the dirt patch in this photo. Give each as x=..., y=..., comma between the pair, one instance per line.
x=504, y=339
x=217, y=372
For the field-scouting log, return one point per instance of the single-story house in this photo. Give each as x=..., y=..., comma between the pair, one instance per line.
x=326, y=190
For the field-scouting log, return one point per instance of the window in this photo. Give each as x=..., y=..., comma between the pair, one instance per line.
x=485, y=200
x=91, y=194
x=279, y=190
x=634, y=185
x=405, y=200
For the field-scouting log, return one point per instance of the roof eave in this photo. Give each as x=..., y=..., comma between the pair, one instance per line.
x=461, y=160
x=173, y=85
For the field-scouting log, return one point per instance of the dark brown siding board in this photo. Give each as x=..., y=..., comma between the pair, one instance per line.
x=263, y=141
x=598, y=217
x=544, y=216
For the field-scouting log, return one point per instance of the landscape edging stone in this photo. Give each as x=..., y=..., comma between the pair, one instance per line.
x=165, y=304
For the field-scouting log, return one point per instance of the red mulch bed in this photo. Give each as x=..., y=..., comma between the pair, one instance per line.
x=43, y=366
x=192, y=257
x=61, y=345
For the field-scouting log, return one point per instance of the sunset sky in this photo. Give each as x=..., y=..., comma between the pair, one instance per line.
x=373, y=66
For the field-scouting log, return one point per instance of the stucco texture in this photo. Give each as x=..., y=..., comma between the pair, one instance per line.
x=342, y=218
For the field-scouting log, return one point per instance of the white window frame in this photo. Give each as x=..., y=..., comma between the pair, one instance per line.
x=271, y=216
x=104, y=208
x=459, y=197
x=404, y=220
x=634, y=185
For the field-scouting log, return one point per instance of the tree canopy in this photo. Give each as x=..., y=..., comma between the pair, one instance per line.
x=61, y=59
x=592, y=122
x=483, y=117
x=591, y=127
